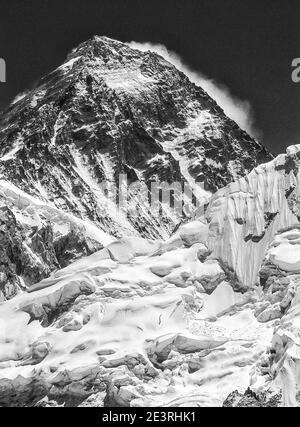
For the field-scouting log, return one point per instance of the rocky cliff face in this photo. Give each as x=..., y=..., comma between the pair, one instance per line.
x=22, y=263
x=36, y=238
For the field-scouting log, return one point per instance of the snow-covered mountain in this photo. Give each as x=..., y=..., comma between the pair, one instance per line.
x=111, y=109
x=108, y=110
x=107, y=308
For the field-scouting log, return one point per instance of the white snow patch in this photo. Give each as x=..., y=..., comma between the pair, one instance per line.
x=16, y=146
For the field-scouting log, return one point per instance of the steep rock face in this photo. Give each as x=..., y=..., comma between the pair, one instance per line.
x=36, y=238
x=250, y=400
x=23, y=262
x=111, y=109
x=245, y=215
x=30, y=254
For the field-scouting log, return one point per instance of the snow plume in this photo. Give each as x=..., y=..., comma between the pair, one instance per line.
x=238, y=110
x=20, y=96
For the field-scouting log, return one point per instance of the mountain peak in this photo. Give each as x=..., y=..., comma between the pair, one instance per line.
x=102, y=46
x=107, y=43
x=108, y=110
x=104, y=55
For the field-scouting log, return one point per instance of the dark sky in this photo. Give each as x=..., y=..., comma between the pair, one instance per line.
x=247, y=45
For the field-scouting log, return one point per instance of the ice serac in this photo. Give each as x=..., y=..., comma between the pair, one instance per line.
x=245, y=215
x=110, y=109
x=275, y=376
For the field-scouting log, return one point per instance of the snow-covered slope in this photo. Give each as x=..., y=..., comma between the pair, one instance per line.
x=134, y=324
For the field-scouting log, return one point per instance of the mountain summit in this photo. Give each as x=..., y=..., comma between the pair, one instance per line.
x=110, y=110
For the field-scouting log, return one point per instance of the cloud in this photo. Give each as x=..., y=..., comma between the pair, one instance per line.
x=238, y=110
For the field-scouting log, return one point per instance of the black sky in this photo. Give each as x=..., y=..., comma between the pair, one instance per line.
x=247, y=45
